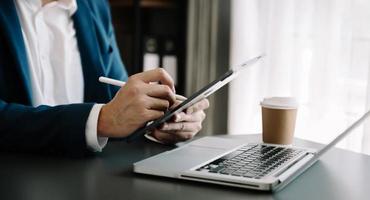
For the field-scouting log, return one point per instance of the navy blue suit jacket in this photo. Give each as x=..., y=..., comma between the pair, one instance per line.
x=58, y=129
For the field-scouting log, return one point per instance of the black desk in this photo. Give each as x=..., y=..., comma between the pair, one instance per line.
x=339, y=174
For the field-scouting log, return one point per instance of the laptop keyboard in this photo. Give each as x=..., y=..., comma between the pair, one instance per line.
x=251, y=161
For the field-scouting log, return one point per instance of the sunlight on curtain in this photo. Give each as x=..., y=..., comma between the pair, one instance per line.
x=317, y=51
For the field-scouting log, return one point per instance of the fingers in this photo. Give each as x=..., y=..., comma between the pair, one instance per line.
x=177, y=102
x=180, y=131
x=165, y=137
x=136, y=103
x=201, y=105
x=160, y=91
x=156, y=75
x=171, y=138
x=194, y=117
x=157, y=104
x=151, y=115
x=182, y=127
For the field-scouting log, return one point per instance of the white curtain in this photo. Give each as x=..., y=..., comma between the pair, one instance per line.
x=317, y=51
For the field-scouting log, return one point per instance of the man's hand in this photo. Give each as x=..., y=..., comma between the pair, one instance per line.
x=136, y=103
x=184, y=125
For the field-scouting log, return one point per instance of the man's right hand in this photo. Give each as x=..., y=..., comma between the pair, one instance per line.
x=136, y=103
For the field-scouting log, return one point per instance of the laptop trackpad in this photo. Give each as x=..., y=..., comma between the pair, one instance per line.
x=173, y=162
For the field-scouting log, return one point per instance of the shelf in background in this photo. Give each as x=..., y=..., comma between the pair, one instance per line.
x=144, y=3
x=164, y=21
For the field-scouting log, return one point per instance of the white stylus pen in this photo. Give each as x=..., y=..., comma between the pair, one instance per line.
x=121, y=83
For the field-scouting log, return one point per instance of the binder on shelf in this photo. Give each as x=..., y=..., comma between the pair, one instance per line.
x=169, y=58
x=151, y=58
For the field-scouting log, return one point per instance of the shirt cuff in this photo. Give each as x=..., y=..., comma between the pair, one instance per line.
x=94, y=143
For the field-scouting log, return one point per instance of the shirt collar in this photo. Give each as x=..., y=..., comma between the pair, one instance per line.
x=69, y=5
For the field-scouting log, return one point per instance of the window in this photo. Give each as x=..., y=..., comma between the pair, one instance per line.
x=317, y=51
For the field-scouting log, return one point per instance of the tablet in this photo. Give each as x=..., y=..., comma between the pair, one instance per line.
x=196, y=97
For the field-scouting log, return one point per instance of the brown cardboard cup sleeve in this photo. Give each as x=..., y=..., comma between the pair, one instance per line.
x=278, y=120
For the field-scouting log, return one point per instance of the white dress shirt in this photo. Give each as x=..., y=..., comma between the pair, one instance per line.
x=54, y=59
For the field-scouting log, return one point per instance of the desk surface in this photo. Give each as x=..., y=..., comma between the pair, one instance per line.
x=339, y=174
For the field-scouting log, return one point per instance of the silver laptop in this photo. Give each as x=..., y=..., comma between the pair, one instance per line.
x=235, y=163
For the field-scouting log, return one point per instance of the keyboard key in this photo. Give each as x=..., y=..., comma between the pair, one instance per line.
x=232, y=155
x=237, y=173
x=226, y=171
x=249, y=175
x=217, y=169
x=242, y=171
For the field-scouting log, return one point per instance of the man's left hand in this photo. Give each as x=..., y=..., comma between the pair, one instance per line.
x=184, y=125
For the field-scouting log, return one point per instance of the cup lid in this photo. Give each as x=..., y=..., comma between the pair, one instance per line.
x=280, y=103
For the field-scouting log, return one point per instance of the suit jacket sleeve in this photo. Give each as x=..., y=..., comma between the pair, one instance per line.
x=44, y=129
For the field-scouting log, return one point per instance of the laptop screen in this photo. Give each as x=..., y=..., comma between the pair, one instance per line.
x=322, y=121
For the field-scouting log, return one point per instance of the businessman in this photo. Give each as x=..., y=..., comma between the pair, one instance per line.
x=51, y=55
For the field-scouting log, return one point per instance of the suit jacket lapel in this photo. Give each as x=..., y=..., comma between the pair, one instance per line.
x=13, y=31
x=90, y=55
